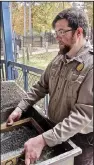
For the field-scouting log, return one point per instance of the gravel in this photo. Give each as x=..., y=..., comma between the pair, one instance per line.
x=12, y=142
x=11, y=95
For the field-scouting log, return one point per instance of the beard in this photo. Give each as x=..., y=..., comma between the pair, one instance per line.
x=64, y=49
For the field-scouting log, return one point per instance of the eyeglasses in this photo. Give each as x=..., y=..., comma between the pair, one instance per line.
x=61, y=32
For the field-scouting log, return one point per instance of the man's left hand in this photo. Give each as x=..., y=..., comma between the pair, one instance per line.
x=33, y=149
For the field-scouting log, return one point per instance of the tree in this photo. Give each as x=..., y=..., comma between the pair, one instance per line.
x=42, y=15
x=89, y=9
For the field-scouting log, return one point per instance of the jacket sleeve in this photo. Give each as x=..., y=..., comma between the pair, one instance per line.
x=79, y=118
x=37, y=91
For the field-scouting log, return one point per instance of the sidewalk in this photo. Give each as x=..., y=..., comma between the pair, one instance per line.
x=40, y=51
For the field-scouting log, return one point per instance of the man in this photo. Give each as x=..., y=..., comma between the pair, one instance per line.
x=69, y=81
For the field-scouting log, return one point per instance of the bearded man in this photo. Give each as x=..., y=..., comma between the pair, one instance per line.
x=69, y=81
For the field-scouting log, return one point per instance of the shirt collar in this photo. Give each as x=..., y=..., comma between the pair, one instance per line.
x=80, y=56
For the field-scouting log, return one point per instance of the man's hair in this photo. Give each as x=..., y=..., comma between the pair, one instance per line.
x=75, y=17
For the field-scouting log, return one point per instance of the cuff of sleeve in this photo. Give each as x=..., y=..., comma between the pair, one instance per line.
x=50, y=138
x=23, y=105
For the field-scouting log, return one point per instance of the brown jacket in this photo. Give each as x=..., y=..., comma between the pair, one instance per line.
x=69, y=83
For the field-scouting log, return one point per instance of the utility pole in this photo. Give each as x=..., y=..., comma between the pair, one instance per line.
x=63, y=5
x=24, y=31
x=14, y=44
x=30, y=24
x=24, y=19
x=13, y=35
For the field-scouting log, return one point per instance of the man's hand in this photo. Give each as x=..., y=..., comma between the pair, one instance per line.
x=33, y=149
x=14, y=116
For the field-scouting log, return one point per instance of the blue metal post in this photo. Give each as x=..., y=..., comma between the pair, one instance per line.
x=7, y=38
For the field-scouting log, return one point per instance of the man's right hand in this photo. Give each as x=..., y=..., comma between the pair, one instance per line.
x=14, y=116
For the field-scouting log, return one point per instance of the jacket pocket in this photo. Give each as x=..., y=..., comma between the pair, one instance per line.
x=74, y=85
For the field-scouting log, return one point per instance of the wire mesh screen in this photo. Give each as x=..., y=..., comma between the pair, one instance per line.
x=32, y=79
x=19, y=78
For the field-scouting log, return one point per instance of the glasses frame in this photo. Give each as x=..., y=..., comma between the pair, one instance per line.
x=56, y=34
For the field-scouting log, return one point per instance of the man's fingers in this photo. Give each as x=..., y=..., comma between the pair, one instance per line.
x=27, y=158
x=30, y=158
x=14, y=116
x=27, y=161
x=10, y=121
x=33, y=148
x=33, y=157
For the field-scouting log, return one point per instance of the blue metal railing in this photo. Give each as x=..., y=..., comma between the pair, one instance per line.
x=14, y=71
x=25, y=69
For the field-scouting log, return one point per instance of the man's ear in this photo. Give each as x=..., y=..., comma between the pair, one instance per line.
x=79, y=31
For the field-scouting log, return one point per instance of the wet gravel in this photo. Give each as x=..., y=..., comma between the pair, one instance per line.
x=12, y=142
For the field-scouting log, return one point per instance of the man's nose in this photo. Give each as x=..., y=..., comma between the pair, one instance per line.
x=58, y=38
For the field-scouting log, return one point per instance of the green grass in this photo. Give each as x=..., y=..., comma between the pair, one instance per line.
x=40, y=60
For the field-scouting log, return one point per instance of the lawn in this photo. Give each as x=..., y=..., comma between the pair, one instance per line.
x=39, y=60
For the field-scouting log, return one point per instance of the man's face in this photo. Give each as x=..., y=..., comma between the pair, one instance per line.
x=65, y=35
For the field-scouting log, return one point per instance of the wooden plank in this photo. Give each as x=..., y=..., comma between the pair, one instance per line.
x=13, y=160
x=36, y=125
x=5, y=128
x=10, y=161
